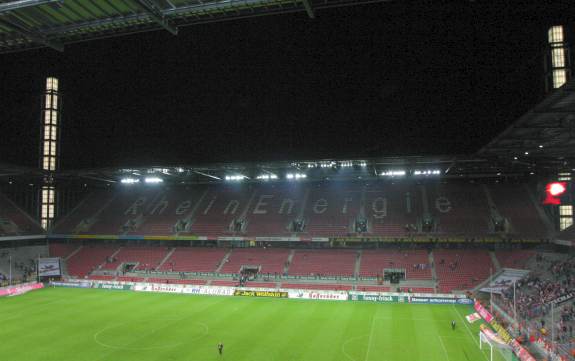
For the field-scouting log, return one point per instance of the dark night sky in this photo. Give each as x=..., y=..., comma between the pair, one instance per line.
x=377, y=80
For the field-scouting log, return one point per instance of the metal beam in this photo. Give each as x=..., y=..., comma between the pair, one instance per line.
x=308, y=9
x=155, y=12
x=31, y=35
x=21, y=4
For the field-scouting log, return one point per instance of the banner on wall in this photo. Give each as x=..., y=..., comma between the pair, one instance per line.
x=503, y=334
x=273, y=294
x=113, y=286
x=72, y=284
x=373, y=298
x=482, y=311
x=439, y=300
x=319, y=295
x=473, y=317
x=48, y=267
x=20, y=289
x=492, y=335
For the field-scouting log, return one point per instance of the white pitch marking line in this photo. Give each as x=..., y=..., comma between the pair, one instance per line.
x=468, y=330
x=343, y=345
x=103, y=344
x=370, y=337
x=443, y=346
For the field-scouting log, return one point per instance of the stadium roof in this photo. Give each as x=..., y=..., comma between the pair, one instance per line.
x=543, y=138
x=27, y=24
x=415, y=167
x=541, y=142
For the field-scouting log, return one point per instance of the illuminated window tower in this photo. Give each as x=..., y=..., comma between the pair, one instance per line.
x=49, y=149
x=557, y=59
x=565, y=210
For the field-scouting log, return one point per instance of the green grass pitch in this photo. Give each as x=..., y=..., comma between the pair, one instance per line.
x=100, y=325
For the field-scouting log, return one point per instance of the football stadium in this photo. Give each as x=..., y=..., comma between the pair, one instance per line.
x=458, y=257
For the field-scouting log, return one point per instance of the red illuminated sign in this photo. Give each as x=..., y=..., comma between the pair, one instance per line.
x=553, y=193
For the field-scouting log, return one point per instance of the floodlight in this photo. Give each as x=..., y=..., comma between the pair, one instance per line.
x=153, y=180
x=129, y=180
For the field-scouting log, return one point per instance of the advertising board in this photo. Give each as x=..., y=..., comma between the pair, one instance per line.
x=20, y=289
x=112, y=286
x=83, y=284
x=48, y=267
x=318, y=295
x=273, y=294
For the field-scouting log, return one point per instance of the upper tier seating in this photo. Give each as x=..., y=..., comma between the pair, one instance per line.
x=148, y=258
x=271, y=260
x=514, y=204
x=87, y=209
x=88, y=259
x=461, y=269
x=273, y=209
x=331, y=209
x=194, y=259
x=161, y=214
x=325, y=209
x=514, y=259
x=390, y=207
x=122, y=207
x=567, y=234
x=15, y=222
x=62, y=250
x=459, y=209
x=218, y=208
x=323, y=263
x=374, y=262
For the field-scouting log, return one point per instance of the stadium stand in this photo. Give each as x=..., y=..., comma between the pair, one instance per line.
x=461, y=269
x=323, y=263
x=551, y=282
x=62, y=250
x=23, y=261
x=270, y=260
x=273, y=210
x=459, y=209
x=88, y=259
x=514, y=258
x=261, y=284
x=130, y=279
x=176, y=281
x=194, y=259
x=392, y=210
x=219, y=208
x=317, y=286
x=15, y=222
x=324, y=210
x=103, y=277
x=515, y=205
x=568, y=234
x=415, y=263
x=373, y=289
x=161, y=213
x=82, y=217
x=224, y=283
x=145, y=258
x=331, y=209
